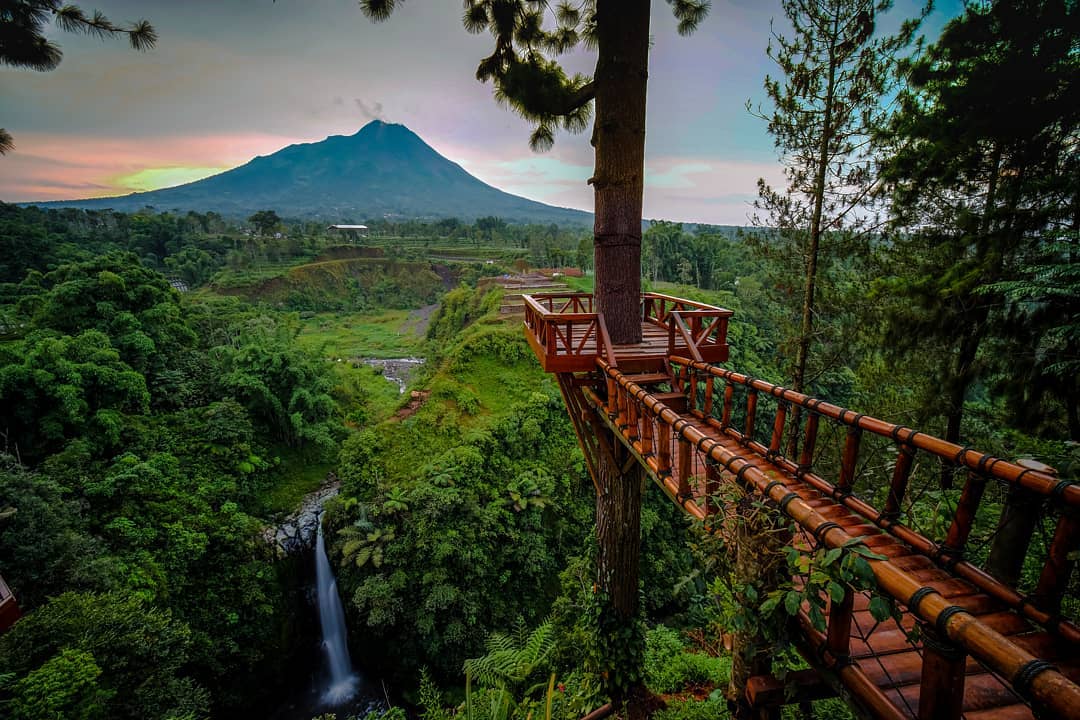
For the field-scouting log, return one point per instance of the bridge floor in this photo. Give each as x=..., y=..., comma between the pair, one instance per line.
x=886, y=654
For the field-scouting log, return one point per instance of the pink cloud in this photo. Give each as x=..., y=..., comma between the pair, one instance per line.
x=57, y=167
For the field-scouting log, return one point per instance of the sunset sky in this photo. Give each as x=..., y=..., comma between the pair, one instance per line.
x=231, y=79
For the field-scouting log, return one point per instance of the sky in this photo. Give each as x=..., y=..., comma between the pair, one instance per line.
x=232, y=79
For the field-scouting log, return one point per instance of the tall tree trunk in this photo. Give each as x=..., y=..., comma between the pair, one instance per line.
x=956, y=390
x=622, y=67
x=806, y=329
x=618, y=532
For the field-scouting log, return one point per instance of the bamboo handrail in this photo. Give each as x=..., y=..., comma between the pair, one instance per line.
x=1039, y=681
x=1038, y=482
x=887, y=520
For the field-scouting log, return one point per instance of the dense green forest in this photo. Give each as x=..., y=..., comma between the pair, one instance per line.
x=172, y=386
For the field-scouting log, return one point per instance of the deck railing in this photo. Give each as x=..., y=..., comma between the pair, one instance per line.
x=977, y=522
x=703, y=328
x=563, y=330
x=567, y=335
x=9, y=609
x=691, y=466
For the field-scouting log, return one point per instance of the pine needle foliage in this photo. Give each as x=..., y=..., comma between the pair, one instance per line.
x=23, y=43
x=529, y=36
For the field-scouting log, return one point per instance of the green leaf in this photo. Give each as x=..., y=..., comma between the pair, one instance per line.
x=836, y=592
x=864, y=572
x=867, y=552
x=880, y=608
x=792, y=601
x=831, y=556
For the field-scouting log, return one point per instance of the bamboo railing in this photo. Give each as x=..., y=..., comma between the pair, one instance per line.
x=660, y=437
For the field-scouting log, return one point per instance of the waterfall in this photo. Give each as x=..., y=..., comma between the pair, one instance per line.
x=342, y=683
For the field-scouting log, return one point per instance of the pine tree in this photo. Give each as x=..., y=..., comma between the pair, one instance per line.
x=836, y=71
x=983, y=179
x=528, y=79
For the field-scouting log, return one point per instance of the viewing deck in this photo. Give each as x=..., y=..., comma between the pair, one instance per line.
x=568, y=334
x=973, y=556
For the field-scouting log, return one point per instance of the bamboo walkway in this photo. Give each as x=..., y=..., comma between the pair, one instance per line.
x=979, y=552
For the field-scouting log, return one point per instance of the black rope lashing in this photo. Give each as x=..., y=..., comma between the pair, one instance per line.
x=943, y=619
x=823, y=528
x=982, y=462
x=1058, y=491
x=787, y=500
x=1027, y=673
x=946, y=556
x=959, y=457
x=918, y=596
x=942, y=646
x=895, y=434
x=854, y=426
x=771, y=485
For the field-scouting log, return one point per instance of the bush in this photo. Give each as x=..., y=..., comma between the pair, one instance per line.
x=670, y=667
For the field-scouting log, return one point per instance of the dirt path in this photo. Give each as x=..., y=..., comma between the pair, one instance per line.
x=418, y=320
x=416, y=400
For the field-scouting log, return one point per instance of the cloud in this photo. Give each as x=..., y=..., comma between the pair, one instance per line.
x=59, y=167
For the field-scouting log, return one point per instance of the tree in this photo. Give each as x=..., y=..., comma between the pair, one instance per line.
x=265, y=221
x=982, y=178
x=531, y=82
x=836, y=71
x=23, y=43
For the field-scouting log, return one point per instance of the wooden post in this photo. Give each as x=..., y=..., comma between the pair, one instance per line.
x=778, y=428
x=965, y=515
x=1060, y=562
x=1015, y=527
x=663, y=440
x=898, y=486
x=850, y=459
x=839, y=631
x=729, y=396
x=751, y=413
x=941, y=694
x=646, y=434
x=632, y=412
x=712, y=487
x=707, y=407
x=806, y=456
x=686, y=464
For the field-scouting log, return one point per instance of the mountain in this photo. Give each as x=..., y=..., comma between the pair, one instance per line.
x=383, y=170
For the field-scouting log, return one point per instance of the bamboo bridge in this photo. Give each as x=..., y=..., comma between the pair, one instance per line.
x=978, y=551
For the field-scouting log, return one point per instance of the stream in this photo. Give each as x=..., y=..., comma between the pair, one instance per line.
x=397, y=370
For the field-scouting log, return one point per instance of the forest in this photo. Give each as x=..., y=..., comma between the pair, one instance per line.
x=174, y=385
